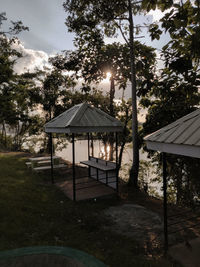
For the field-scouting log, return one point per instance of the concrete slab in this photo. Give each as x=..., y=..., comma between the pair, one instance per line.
x=187, y=253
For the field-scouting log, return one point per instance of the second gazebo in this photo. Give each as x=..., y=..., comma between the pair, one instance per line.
x=84, y=118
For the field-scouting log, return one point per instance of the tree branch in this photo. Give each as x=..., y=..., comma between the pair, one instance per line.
x=138, y=2
x=139, y=37
x=122, y=33
x=121, y=18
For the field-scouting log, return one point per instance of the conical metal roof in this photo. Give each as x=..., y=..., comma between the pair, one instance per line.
x=83, y=118
x=180, y=137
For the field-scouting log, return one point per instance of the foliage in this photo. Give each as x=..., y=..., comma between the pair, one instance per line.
x=92, y=63
x=15, y=90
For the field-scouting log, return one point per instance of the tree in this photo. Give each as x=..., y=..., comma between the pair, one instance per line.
x=49, y=95
x=13, y=95
x=100, y=18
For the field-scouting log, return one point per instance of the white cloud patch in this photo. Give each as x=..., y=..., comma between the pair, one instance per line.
x=157, y=14
x=30, y=59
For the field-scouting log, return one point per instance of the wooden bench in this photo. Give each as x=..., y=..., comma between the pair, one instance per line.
x=44, y=162
x=37, y=159
x=44, y=168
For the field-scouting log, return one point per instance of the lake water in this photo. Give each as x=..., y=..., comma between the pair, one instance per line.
x=81, y=154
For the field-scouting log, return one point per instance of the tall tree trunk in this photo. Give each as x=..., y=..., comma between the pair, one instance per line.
x=49, y=142
x=133, y=180
x=111, y=135
x=4, y=136
x=124, y=135
x=112, y=95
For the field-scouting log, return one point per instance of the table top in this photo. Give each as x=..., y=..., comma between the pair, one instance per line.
x=97, y=165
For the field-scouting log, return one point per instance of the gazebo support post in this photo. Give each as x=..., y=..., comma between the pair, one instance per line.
x=88, y=153
x=73, y=164
x=164, y=163
x=92, y=145
x=88, y=135
x=51, y=149
x=117, y=167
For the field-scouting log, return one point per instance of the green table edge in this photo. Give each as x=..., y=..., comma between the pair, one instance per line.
x=82, y=257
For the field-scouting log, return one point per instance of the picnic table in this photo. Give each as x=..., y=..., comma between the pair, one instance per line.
x=102, y=171
x=37, y=159
x=97, y=165
x=44, y=163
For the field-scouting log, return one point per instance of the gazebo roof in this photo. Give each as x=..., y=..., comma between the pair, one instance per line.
x=181, y=137
x=83, y=118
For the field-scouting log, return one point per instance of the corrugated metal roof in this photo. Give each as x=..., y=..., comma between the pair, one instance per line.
x=83, y=118
x=180, y=137
x=185, y=130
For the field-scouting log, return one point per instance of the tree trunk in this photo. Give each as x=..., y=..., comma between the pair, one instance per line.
x=133, y=180
x=4, y=136
x=124, y=134
x=111, y=135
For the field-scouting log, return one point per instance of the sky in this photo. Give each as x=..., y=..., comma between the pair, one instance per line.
x=48, y=33
x=45, y=19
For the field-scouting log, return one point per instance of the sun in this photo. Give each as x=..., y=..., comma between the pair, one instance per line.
x=108, y=76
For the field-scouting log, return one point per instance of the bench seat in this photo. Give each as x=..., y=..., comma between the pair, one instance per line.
x=44, y=168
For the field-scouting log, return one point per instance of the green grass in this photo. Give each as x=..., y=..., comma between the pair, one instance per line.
x=34, y=213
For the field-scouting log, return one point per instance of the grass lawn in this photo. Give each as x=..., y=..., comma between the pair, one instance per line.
x=34, y=213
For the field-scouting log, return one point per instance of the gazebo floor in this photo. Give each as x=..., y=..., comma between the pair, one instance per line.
x=86, y=188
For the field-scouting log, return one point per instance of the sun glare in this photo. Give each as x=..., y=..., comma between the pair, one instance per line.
x=108, y=76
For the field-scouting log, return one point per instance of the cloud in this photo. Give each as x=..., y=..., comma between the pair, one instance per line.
x=30, y=59
x=157, y=14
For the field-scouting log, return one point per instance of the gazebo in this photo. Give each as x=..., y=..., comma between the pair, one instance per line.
x=181, y=137
x=84, y=118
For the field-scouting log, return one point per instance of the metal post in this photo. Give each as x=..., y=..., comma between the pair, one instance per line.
x=92, y=145
x=73, y=164
x=89, y=170
x=88, y=146
x=164, y=163
x=51, y=149
x=117, y=170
